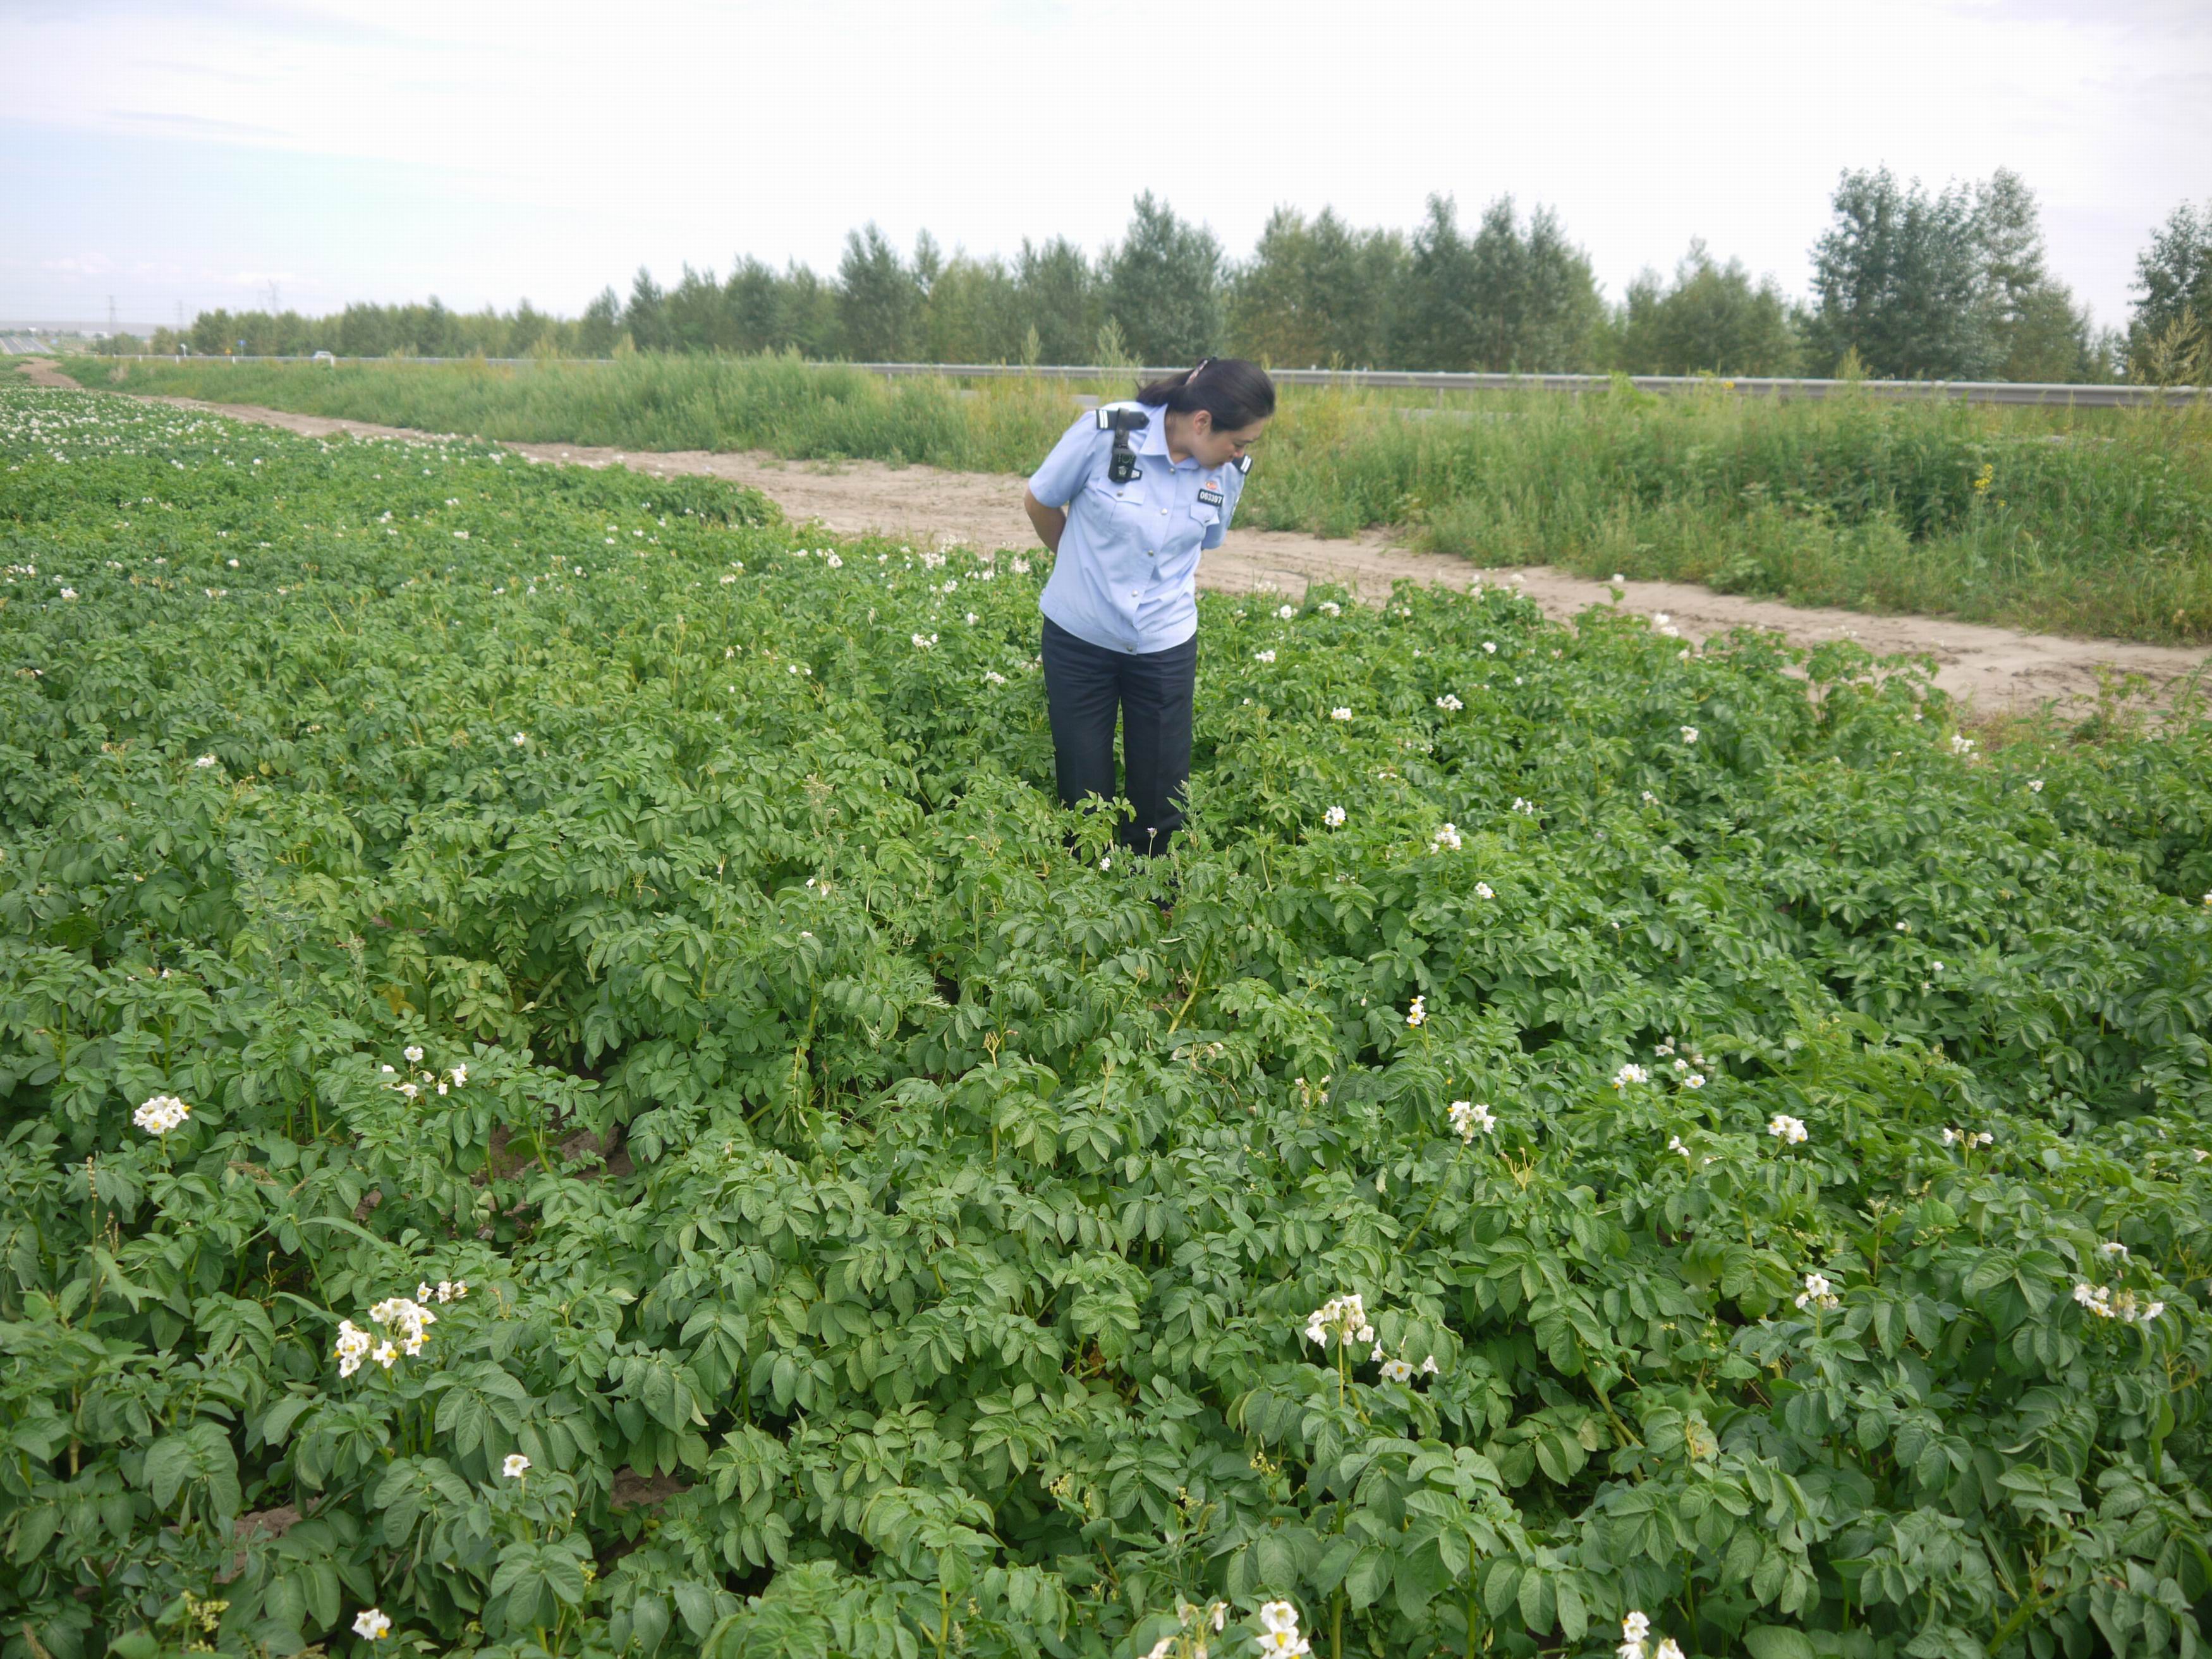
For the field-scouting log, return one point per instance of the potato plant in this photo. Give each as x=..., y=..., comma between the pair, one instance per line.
x=567, y=1090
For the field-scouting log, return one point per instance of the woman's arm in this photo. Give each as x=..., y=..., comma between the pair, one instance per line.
x=1050, y=521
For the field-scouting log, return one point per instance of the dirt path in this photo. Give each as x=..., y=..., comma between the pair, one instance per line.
x=40, y=371
x=2001, y=669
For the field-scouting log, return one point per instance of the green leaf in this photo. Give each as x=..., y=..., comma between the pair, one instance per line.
x=1777, y=1642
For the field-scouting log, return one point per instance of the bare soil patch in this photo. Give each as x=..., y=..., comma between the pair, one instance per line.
x=40, y=371
x=1999, y=671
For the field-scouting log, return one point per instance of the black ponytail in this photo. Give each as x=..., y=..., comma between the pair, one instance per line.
x=1233, y=391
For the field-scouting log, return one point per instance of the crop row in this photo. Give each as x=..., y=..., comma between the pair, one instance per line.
x=2092, y=522
x=564, y=1090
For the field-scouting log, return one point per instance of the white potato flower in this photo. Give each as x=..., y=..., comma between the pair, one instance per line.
x=371, y=1624
x=205, y=761
x=161, y=1113
x=516, y=1466
x=522, y=739
x=1334, y=818
x=1339, y=714
x=1418, y=1013
x=1689, y=734
x=1263, y=656
x=1482, y=889
x=1447, y=837
x=353, y=1346
x=1279, y=1616
x=1630, y=1073
x=1786, y=1129
x=413, y=1052
x=1818, y=1292
x=1449, y=703
x=1469, y=1118
x=1286, y=612
x=1343, y=1318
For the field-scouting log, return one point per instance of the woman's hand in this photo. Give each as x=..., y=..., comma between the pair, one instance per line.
x=1050, y=521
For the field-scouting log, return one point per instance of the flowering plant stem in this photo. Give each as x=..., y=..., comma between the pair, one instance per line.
x=1448, y=1173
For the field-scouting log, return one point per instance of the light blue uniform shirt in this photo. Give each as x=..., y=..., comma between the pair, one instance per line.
x=1127, y=575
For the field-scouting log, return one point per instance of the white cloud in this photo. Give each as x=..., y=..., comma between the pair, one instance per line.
x=551, y=150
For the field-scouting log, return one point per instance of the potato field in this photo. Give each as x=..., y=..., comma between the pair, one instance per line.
x=563, y=1092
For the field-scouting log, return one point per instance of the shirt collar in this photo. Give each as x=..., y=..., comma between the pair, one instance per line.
x=1153, y=439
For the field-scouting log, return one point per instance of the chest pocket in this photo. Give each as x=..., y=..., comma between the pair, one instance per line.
x=1118, y=505
x=1205, y=515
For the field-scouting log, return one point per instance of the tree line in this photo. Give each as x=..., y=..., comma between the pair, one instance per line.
x=1908, y=282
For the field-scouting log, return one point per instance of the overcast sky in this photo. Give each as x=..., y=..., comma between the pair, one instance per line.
x=190, y=152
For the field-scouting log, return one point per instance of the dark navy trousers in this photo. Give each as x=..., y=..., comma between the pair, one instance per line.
x=1085, y=687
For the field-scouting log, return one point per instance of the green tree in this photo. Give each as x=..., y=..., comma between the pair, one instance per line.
x=1056, y=294
x=752, y=307
x=1313, y=293
x=879, y=300
x=1433, y=327
x=436, y=335
x=695, y=318
x=601, y=325
x=969, y=315
x=2171, y=322
x=1711, y=320
x=645, y=319
x=530, y=326
x=363, y=331
x=2039, y=333
x=1503, y=300
x=1163, y=287
x=1534, y=304
x=1899, y=278
x=809, y=319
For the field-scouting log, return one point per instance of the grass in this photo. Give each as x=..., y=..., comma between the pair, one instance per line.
x=2094, y=522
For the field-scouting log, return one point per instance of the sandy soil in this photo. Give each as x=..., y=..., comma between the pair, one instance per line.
x=2000, y=670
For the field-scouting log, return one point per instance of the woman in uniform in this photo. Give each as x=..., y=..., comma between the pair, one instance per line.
x=1121, y=611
